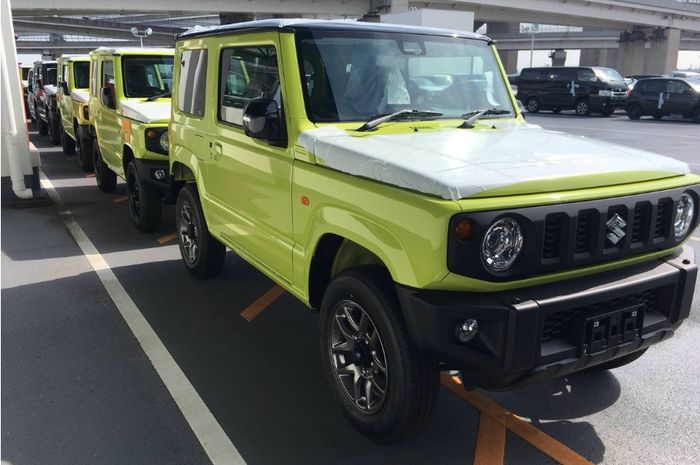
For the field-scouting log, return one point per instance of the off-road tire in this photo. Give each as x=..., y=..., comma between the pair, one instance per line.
x=145, y=203
x=412, y=376
x=54, y=129
x=67, y=142
x=84, y=151
x=211, y=253
x=105, y=177
x=42, y=126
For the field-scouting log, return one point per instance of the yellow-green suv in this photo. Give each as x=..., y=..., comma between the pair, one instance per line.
x=72, y=107
x=129, y=108
x=384, y=175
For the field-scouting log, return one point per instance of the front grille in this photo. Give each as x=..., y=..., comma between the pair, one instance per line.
x=562, y=324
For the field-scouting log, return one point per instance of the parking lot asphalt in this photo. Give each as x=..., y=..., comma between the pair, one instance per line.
x=78, y=389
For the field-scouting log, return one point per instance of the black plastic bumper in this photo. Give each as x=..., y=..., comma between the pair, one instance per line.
x=536, y=333
x=147, y=170
x=605, y=103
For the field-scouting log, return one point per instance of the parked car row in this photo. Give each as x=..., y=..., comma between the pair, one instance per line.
x=385, y=176
x=600, y=90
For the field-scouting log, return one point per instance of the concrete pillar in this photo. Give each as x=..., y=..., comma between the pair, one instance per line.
x=558, y=57
x=598, y=57
x=648, y=51
x=510, y=60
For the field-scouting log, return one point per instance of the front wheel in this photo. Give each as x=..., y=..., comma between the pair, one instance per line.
x=384, y=385
x=67, y=142
x=201, y=253
x=54, y=129
x=105, y=177
x=84, y=150
x=144, y=203
x=583, y=108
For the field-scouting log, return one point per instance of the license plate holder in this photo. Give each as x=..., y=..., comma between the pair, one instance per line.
x=599, y=332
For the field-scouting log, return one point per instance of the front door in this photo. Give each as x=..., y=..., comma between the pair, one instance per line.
x=678, y=98
x=249, y=180
x=106, y=124
x=653, y=95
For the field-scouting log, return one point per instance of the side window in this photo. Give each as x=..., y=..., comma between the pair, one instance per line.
x=95, y=78
x=586, y=75
x=655, y=85
x=191, y=90
x=107, y=80
x=247, y=73
x=676, y=87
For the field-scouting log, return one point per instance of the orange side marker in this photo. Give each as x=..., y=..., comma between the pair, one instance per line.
x=490, y=442
x=167, y=238
x=120, y=199
x=542, y=441
x=261, y=303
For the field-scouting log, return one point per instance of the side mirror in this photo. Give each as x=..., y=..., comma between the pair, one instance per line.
x=107, y=98
x=64, y=86
x=521, y=107
x=262, y=119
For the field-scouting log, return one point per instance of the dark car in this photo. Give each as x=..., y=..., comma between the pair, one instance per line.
x=584, y=89
x=41, y=97
x=659, y=97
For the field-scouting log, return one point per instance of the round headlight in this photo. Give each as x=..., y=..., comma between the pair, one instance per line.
x=684, y=216
x=164, y=144
x=502, y=244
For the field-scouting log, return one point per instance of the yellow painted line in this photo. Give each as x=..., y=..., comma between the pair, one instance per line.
x=490, y=442
x=120, y=199
x=542, y=441
x=167, y=238
x=261, y=303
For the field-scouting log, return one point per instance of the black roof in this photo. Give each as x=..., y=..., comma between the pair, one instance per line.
x=295, y=25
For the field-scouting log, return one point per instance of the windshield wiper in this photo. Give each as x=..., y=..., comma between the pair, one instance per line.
x=474, y=116
x=157, y=96
x=406, y=113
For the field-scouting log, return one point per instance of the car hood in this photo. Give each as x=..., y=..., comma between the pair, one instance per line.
x=147, y=112
x=515, y=159
x=80, y=95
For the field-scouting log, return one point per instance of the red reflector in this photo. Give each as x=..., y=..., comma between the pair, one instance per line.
x=305, y=201
x=151, y=134
x=463, y=230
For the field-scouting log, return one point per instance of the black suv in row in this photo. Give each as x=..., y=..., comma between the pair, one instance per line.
x=659, y=97
x=584, y=89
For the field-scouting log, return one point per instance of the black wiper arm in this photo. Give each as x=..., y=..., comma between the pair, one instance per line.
x=473, y=116
x=406, y=113
x=157, y=96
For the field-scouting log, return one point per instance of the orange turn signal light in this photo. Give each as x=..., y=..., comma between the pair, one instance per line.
x=305, y=201
x=464, y=230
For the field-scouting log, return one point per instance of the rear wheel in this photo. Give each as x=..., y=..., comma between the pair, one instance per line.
x=67, y=142
x=42, y=125
x=201, y=253
x=634, y=111
x=384, y=385
x=583, y=108
x=144, y=203
x=105, y=177
x=696, y=115
x=54, y=129
x=532, y=105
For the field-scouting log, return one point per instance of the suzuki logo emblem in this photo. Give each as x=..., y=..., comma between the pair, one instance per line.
x=616, y=228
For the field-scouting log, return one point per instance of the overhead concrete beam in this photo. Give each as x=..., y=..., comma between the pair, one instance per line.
x=57, y=49
x=355, y=8
x=91, y=27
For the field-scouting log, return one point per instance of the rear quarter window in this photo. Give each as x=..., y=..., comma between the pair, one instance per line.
x=191, y=89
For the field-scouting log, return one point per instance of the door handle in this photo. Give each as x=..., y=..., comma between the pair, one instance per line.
x=216, y=151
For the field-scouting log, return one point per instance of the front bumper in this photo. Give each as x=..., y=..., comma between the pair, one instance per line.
x=534, y=333
x=600, y=103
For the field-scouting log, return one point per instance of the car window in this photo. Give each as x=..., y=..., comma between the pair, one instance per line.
x=64, y=72
x=146, y=76
x=108, y=77
x=586, y=75
x=95, y=78
x=247, y=73
x=50, y=75
x=561, y=74
x=676, y=87
x=654, y=85
x=193, y=78
x=81, y=74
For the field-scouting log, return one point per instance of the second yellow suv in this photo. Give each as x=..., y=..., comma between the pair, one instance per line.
x=130, y=110
x=72, y=99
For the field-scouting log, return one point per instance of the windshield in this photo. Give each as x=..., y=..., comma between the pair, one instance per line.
x=25, y=72
x=81, y=74
x=608, y=75
x=49, y=76
x=146, y=76
x=356, y=76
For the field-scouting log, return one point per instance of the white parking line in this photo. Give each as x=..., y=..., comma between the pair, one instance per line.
x=214, y=440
